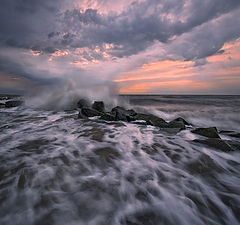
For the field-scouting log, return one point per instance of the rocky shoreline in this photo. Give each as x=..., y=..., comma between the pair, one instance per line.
x=211, y=135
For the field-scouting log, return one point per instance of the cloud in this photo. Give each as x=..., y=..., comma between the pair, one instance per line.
x=60, y=39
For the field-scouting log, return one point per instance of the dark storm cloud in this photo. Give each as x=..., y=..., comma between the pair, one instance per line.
x=35, y=24
x=25, y=23
x=142, y=23
x=191, y=29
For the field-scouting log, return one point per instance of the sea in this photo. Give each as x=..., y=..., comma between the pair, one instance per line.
x=56, y=169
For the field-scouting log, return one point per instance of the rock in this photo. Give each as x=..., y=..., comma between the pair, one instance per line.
x=176, y=124
x=123, y=114
x=21, y=181
x=10, y=104
x=230, y=133
x=2, y=105
x=235, y=145
x=216, y=143
x=90, y=112
x=83, y=103
x=108, y=117
x=99, y=106
x=106, y=152
x=151, y=119
x=210, y=132
x=180, y=119
x=171, y=130
x=81, y=116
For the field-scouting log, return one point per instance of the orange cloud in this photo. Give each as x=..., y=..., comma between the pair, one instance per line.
x=183, y=77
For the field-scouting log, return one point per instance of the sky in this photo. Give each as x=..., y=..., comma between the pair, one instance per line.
x=127, y=46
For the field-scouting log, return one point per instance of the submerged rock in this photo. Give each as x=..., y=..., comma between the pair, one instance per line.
x=106, y=152
x=151, y=119
x=216, y=143
x=10, y=104
x=90, y=112
x=210, y=132
x=83, y=103
x=99, y=106
x=230, y=133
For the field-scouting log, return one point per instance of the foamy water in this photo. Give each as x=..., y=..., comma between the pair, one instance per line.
x=57, y=169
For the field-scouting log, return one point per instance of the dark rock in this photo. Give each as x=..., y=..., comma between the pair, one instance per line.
x=152, y=120
x=108, y=117
x=123, y=114
x=99, y=106
x=235, y=145
x=90, y=112
x=83, y=103
x=106, y=152
x=2, y=105
x=216, y=143
x=176, y=124
x=210, y=132
x=171, y=130
x=204, y=165
x=81, y=116
x=10, y=104
x=21, y=181
x=230, y=133
x=180, y=119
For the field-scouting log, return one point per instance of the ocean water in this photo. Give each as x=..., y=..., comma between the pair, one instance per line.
x=56, y=169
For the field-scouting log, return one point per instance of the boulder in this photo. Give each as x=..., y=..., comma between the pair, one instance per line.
x=235, y=145
x=210, y=132
x=216, y=143
x=10, y=104
x=90, y=112
x=152, y=120
x=108, y=117
x=176, y=124
x=180, y=119
x=99, y=106
x=123, y=114
x=230, y=133
x=83, y=103
x=171, y=130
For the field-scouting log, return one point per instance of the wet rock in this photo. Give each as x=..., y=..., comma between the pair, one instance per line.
x=21, y=181
x=108, y=117
x=90, y=112
x=106, y=152
x=204, y=165
x=176, y=124
x=83, y=103
x=99, y=106
x=151, y=119
x=171, y=130
x=230, y=133
x=10, y=104
x=180, y=119
x=216, y=143
x=210, y=132
x=81, y=116
x=123, y=114
x=235, y=145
